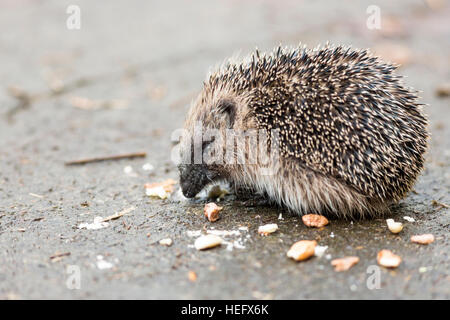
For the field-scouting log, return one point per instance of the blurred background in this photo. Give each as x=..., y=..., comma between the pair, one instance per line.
x=120, y=79
x=145, y=60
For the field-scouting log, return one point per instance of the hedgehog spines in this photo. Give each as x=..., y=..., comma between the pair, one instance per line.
x=341, y=113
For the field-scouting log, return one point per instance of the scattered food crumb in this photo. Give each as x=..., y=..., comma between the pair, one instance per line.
x=207, y=241
x=147, y=167
x=302, y=250
x=21, y=229
x=194, y=233
x=128, y=170
x=388, y=259
x=267, y=229
x=343, y=264
x=165, y=242
x=212, y=211
x=192, y=276
x=314, y=220
x=409, y=219
x=320, y=250
x=425, y=269
x=280, y=217
x=160, y=190
x=103, y=264
x=224, y=233
x=231, y=244
x=394, y=227
x=97, y=224
x=423, y=238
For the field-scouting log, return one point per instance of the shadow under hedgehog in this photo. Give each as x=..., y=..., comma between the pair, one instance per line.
x=350, y=139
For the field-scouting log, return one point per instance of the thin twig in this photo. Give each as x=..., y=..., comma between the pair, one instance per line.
x=106, y=158
x=119, y=214
x=440, y=205
x=59, y=255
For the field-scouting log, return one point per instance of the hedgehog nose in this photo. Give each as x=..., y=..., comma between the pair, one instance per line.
x=192, y=180
x=188, y=193
x=186, y=188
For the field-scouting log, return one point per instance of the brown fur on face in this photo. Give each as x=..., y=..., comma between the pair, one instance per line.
x=351, y=137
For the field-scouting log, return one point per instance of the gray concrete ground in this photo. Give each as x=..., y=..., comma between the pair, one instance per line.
x=153, y=57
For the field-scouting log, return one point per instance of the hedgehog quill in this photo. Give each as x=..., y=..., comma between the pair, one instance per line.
x=350, y=136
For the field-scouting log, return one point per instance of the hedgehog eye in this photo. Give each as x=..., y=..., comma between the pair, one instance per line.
x=228, y=107
x=205, y=144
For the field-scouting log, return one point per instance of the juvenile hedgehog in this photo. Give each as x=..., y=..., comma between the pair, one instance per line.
x=350, y=136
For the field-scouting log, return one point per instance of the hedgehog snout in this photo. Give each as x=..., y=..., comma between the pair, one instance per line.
x=193, y=178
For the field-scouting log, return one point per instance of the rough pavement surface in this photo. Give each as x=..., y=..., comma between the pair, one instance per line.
x=137, y=65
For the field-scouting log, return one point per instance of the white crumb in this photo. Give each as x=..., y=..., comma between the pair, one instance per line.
x=103, y=264
x=224, y=233
x=194, y=233
x=165, y=242
x=267, y=229
x=157, y=192
x=97, y=224
x=320, y=250
x=148, y=167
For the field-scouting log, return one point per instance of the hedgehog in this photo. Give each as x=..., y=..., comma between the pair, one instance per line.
x=341, y=133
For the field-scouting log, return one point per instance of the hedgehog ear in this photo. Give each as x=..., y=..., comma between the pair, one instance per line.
x=228, y=108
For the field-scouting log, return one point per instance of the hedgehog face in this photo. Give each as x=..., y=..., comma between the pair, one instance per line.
x=193, y=178
x=203, y=146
